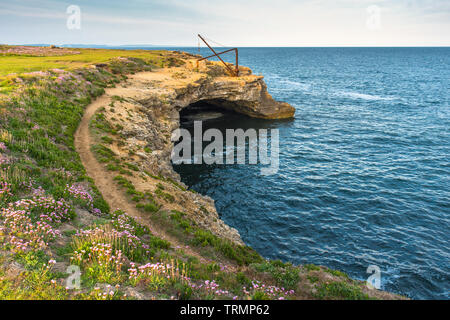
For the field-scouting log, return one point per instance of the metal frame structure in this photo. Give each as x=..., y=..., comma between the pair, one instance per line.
x=235, y=72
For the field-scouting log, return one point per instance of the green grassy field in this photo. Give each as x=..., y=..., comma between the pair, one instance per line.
x=14, y=63
x=22, y=64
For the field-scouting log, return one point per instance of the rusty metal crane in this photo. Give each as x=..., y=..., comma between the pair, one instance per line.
x=235, y=72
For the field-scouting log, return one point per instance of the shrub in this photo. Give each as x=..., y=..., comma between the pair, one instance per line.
x=340, y=291
x=285, y=275
x=148, y=207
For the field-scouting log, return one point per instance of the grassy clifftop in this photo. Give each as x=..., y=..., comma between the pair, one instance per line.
x=53, y=216
x=16, y=59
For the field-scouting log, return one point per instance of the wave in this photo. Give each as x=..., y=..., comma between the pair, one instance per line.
x=363, y=96
x=290, y=84
x=286, y=84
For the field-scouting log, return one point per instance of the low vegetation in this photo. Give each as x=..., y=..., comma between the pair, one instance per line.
x=52, y=216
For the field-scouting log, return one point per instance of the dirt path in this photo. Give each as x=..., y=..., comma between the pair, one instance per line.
x=104, y=179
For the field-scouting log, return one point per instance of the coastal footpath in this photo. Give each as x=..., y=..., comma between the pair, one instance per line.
x=86, y=181
x=147, y=108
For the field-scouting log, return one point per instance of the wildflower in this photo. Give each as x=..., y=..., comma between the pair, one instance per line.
x=25, y=233
x=79, y=192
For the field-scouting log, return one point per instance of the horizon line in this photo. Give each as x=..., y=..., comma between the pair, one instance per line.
x=93, y=46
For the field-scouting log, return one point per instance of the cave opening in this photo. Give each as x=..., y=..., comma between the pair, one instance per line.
x=205, y=110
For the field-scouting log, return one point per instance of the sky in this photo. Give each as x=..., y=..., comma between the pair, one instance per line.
x=291, y=23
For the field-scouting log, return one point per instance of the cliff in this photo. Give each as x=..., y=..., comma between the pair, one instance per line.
x=86, y=181
x=246, y=94
x=148, y=113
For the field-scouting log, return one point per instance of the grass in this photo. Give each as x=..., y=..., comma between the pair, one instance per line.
x=25, y=64
x=186, y=229
x=340, y=291
x=164, y=195
x=31, y=285
x=285, y=275
x=337, y=273
x=148, y=207
x=38, y=122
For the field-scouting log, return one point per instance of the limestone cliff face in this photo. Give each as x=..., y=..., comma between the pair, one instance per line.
x=149, y=113
x=246, y=94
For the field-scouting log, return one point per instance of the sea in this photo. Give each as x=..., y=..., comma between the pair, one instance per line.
x=364, y=167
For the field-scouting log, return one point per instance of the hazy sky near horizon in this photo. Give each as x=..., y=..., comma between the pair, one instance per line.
x=230, y=22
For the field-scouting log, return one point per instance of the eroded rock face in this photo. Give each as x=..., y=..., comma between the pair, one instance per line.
x=149, y=113
x=246, y=94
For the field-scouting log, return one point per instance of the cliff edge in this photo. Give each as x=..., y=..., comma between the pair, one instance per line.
x=146, y=107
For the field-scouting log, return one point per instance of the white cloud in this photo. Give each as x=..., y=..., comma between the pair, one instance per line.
x=233, y=22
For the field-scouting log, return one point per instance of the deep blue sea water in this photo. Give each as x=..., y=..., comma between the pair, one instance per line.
x=364, y=173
